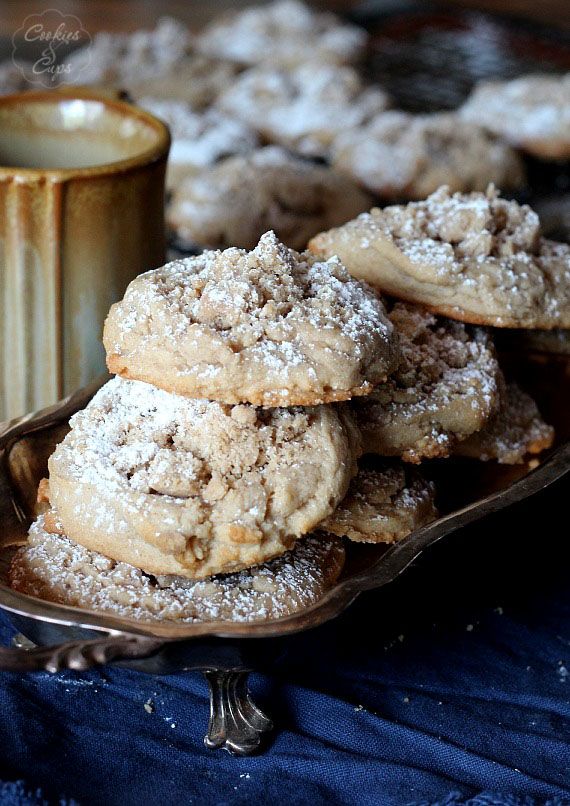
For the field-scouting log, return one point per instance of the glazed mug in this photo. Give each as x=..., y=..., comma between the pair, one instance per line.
x=81, y=214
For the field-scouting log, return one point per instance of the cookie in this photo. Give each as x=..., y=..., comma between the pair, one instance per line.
x=304, y=108
x=446, y=387
x=53, y=568
x=399, y=156
x=531, y=112
x=473, y=257
x=199, y=139
x=193, y=79
x=286, y=33
x=383, y=505
x=270, y=327
x=116, y=59
x=516, y=431
x=193, y=488
x=236, y=201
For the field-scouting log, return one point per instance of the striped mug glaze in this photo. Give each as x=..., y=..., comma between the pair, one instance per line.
x=81, y=214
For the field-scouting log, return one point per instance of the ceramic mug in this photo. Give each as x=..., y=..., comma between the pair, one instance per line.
x=81, y=214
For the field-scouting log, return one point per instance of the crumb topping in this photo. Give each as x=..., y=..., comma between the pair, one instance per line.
x=399, y=156
x=270, y=319
x=516, y=431
x=303, y=108
x=435, y=350
x=445, y=387
x=285, y=32
x=196, y=485
x=383, y=505
x=52, y=567
x=200, y=138
x=134, y=436
x=526, y=109
x=456, y=226
x=236, y=201
x=260, y=297
x=475, y=252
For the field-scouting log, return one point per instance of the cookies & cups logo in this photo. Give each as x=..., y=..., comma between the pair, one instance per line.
x=60, y=48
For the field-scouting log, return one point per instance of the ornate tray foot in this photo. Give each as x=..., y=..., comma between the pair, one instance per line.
x=21, y=642
x=236, y=723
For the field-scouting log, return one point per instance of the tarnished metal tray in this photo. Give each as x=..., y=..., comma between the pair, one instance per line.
x=67, y=637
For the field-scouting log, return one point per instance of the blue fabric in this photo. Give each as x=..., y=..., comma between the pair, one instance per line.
x=451, y=686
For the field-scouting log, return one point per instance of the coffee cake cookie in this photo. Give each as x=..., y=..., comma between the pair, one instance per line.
x=193, y=79
x=51, y=567
x=473, y=257
x=445, y=388
x=192, y=487
x=516, y=431
x=239, y=199
x=531, y=112
x=270, y=327
x=383, y=505
x=117, y=59
x=199, y=139
x=305, y=108
x=400, y=156
x=286, y=33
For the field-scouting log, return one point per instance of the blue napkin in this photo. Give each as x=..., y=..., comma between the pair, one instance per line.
x=450, y=686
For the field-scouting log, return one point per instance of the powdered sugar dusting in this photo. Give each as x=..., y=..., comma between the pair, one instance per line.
x=475, y=253
x=383, y=505
x=137, y=437
x=200, y=139
x=195, y=487
x=516, y=431
x=402, y=156
x=531, y=111
x=285, y=32
x=304, y=108
x=52, y=567
x=237, y=200
x=445, y=388
x=272, y=318
x=118, y=59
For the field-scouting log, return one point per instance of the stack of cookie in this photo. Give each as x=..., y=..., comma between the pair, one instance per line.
x=455, y=259
x=223, y=439
x=249, y=384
